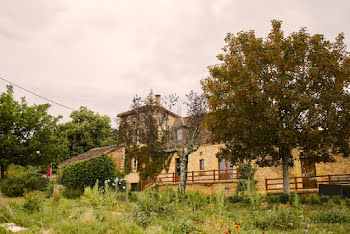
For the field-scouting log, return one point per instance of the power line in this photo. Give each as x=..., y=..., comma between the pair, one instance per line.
x=36, y=94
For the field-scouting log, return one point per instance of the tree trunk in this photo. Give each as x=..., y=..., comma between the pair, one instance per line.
x=285, y=165
x=2, y=168
x=183, y=172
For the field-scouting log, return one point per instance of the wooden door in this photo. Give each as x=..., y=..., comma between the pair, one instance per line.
x=308, y=171
x=225, y=170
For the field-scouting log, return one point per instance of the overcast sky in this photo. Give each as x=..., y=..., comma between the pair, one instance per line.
x=100, y=53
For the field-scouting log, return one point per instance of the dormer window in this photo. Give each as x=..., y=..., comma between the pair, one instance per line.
x=179, y=134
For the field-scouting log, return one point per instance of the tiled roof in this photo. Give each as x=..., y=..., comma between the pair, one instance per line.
x=90, y=154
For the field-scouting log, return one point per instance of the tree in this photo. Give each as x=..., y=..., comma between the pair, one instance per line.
x=26, y=133
x=268, y=96
x=149, y=131
x=192, y=139
x=87, y=130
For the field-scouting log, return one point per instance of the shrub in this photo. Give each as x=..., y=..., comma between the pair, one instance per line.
x=303, y=200
x=246, y=172
x=314, y=200
x=235, y=198
x=272, y=199
x=84, y=173
x=334, y=215
x=15, y=186
x=324, y=199
x=284, y=198
x=280, y=218
x=336, y=200
x=32, y=201
x=72, y=193
x=347, y=201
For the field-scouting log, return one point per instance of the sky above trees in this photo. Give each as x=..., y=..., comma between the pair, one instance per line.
x=101, y=53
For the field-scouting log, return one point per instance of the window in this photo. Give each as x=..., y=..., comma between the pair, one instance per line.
x=179, y=134
x=135, y=166
x=137, y=138
x=201, y=164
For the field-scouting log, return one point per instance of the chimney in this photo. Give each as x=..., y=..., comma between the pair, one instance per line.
x=158, y=99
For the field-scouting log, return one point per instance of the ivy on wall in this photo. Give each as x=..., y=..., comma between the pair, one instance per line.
x=85, y=173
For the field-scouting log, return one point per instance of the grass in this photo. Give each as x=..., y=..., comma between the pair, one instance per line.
x=167, y=212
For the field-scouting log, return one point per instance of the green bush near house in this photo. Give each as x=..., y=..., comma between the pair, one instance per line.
x=15, y=186
x=85, y=173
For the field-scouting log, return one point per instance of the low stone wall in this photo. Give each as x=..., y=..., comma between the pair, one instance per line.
x=229, y=188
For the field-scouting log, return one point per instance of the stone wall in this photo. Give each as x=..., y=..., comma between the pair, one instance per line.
x=118, y=157
x=207, y=188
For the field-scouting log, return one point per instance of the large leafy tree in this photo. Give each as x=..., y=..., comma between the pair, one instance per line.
x=270, y=95
x=26, y=133
x=85, y=131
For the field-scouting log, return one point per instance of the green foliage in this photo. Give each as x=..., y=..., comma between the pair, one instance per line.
x=72, y=193
x=246, y=172
x=314, y=200
x=347, y=201
x=235, y=198
x=87, y=130
x=284, y=198
x=336, y=200
x=253, y=196
x=334, y=215
x=26, y=132
x=273, y=199
x=15, y=186
x=33, y=201
x=278, y=93
x=85, y=173
x=324, y=199
x=279, y=218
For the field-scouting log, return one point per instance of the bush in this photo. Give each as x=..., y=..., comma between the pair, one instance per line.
x=32, y=201
x=335, y=215
x=280, y=218
x=347, y=201
x=15, y=186
x=273, y=199
x=284, y=198
x=314, y=200
x=336, y=200
x=235, y=198
x=84, y=173
x=303, y=200
x=324, y=199
x=72, y=193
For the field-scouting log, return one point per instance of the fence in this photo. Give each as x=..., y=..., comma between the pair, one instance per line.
x=300, y=183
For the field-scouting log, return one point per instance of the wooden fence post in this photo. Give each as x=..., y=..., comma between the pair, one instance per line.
x=96, y=184
x=296, y=183
x=192, y=176
x=266, y=186
x=214, y=174
x=127, y=191
x=329, y=179
x=106, y=186
x=116, y=181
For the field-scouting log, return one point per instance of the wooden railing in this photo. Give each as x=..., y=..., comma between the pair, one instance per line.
x=304, y=182
x=209, y=176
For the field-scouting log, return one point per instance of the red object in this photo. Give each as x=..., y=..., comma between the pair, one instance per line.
x=49, y=172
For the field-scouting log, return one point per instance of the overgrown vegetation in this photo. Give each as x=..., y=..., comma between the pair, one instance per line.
x=96, y=211
x=85, y=173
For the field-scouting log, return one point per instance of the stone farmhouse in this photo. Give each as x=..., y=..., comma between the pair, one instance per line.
x=208, y=175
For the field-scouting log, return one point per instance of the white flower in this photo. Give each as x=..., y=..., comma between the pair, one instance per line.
x=123, y=187
x=108, y=181
x=113, y=184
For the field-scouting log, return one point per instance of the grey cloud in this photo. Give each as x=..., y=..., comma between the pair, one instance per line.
x=101, y=53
